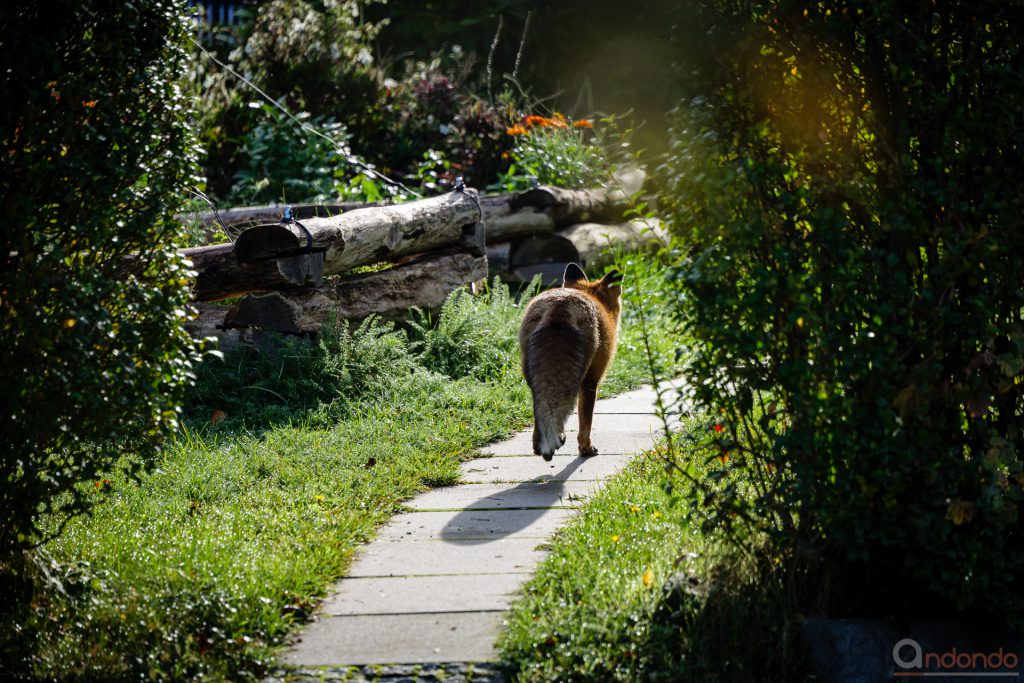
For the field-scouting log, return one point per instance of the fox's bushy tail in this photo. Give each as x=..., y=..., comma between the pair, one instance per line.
x=556, y=360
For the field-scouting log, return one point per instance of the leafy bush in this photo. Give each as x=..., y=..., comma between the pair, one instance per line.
x=317, y=54
x=288, y=163
x=294, y=376
x=318, y=60
x=847, y=186
x=94, y=360
x=556, y=151
x=475, y=336
x=315, y=59
x=432, y=107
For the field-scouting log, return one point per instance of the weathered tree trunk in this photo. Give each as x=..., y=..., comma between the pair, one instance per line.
x=595, y=243
x=365, y=236
x=424, y=281
x=591, y=245
x=567, y=207
x=221, y=276
x=209, y=322
x=571, y=206
x=245, y=215
x=521, y=223
x=495, y=206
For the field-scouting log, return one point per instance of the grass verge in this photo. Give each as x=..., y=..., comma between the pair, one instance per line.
x=633, y=590
x=288, y=461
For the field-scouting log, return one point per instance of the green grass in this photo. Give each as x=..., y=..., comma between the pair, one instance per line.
x=641, y=586
x=201, y=568
x=588, y=613
x=634, y=590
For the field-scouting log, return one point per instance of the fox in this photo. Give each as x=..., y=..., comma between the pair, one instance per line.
x=567, y=339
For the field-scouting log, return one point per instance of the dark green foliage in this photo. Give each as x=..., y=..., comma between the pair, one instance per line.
x=847, y=184
x=473, y=336
x=96, y=157
x=285, y=162
x=288, y=378
x=433, y=108
x=317, y=59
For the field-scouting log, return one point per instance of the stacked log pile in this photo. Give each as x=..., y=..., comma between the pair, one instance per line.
x=293, y=276
x=539, y=231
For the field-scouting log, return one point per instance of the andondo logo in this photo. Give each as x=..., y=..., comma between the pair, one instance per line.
x=913, y=660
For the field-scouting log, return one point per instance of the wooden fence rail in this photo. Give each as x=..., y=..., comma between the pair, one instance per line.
x=382, y=259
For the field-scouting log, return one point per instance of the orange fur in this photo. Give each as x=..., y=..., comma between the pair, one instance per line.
x=568, y=338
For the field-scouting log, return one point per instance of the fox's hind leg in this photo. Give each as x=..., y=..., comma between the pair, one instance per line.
x=585, y=408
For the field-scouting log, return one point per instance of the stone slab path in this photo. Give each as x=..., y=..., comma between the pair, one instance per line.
x=432, y=588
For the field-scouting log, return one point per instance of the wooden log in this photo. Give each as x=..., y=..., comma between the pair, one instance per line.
x=570, y=206
x=522, y=223
x=424, y=281
x=567, y=207
x=474, y=239
x=592, y=245
x=364, y=236
x=221, y=276
x=495, y=206
x=498, y=256
x=246, y=215
x=521, y=260
x=628, y=180
x=596, y=244
x=208, y=321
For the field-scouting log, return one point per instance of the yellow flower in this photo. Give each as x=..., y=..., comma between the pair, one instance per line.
x=648, y=578
x=960, y=511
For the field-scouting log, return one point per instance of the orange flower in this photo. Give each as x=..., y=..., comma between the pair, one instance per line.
x=534, y=120
x=558, y=121
x=583, y=123
x=90, y=104
x=516, y=130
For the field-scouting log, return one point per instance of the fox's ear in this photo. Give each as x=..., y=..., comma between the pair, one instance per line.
x=612, y=278
x=573, y=273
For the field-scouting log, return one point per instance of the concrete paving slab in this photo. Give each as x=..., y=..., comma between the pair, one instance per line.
x=607, y=443
x=534, y=468
x=398, y=638
x=433, y=586
x=423, y=594
x=507, y=555
x=624, y=406
x=614, y=422
x=474, y=525
x=504, y=496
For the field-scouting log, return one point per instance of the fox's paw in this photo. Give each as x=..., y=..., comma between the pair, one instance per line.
x=588, y=451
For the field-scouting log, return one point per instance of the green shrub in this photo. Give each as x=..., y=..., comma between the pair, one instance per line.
x=474, y=336
x=290, y=377
x=286, y=163
x=556, y=151
x=847, y=186
x=97, y=153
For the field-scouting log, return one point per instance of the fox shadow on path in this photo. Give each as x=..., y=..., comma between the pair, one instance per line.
x=539, y=496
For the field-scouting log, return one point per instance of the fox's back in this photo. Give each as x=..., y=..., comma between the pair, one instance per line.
x=562, y=308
